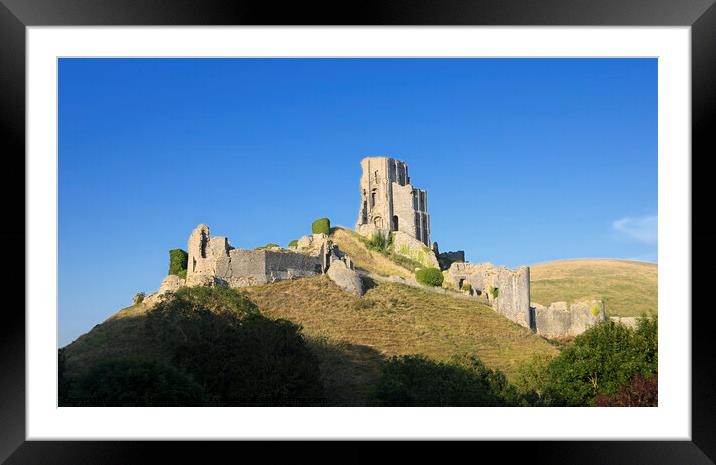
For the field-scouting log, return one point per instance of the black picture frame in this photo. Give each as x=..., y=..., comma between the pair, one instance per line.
x=16, y=15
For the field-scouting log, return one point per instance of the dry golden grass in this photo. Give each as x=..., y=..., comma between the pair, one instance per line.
x=394, y=319
x=627, y=288
x=350, y=242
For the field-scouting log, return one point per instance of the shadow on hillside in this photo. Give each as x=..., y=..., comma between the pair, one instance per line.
x=350, y=372
x=368, y=283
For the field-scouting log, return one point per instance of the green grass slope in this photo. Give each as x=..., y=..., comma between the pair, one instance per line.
x=628, y=288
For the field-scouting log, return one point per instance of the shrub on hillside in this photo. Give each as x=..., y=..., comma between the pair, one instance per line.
x=133, y=383
x=414, y=380
x=321, y=226
x=379, y=242
x=429, y=276
x=599, y=361
x=178, y=259
x=642, y=391
x=293, y=243
x=138, y=298
x=241, y=358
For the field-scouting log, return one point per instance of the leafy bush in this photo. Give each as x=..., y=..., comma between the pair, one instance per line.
x=130, y=383
x=429, y=276
x=138, y=298
x=293, y=243
x=595, y=310
x=182, y=274
x=321, y=226
x=531, y=379
x=379, y=242
x=178, y=260
x=642, y=391
x=467, y=287
x=495, y=292
x=414, y=380
x=600, y=360
x=241, y=358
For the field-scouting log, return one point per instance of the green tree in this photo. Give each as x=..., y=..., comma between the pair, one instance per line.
x=415, y=380
x=240, y=358
x=599, y=361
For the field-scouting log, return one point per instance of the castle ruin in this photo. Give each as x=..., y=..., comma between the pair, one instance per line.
x=389, y=202
x=391, y=206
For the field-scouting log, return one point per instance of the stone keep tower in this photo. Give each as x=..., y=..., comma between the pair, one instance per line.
x=389, y=202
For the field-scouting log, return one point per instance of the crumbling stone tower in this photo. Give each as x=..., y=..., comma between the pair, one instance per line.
x=389, y=202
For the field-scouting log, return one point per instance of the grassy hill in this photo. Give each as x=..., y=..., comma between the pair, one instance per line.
x=352, y=243
x=351, y=336
x=628, y=288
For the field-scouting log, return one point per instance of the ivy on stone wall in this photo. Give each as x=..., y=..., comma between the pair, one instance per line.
x=178, y=260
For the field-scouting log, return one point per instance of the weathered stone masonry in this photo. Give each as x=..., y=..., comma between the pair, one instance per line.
x=389, y=202
x=508, y=291
x=213, y=261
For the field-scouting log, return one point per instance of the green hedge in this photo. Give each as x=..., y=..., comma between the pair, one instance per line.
x=429, y=276
x=321, y=226
x=178, y=260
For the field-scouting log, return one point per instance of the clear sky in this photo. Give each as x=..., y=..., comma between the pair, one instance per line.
x=524, y=160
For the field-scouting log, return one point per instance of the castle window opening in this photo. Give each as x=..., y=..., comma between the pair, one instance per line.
x=372, y=199
x=395, y=223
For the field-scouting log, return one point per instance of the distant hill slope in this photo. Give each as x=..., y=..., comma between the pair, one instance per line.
x=628, y=288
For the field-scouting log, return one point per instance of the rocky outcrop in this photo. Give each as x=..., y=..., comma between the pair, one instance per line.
x=169, y=284
x=345, y=277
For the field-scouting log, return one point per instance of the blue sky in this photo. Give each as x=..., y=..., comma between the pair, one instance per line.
x=524, y=160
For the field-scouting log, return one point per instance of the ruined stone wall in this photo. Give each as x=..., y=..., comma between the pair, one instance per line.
x=563, y=320
x=508, y=291
x=389, y=202
x=408, y=246
x=213, y=261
